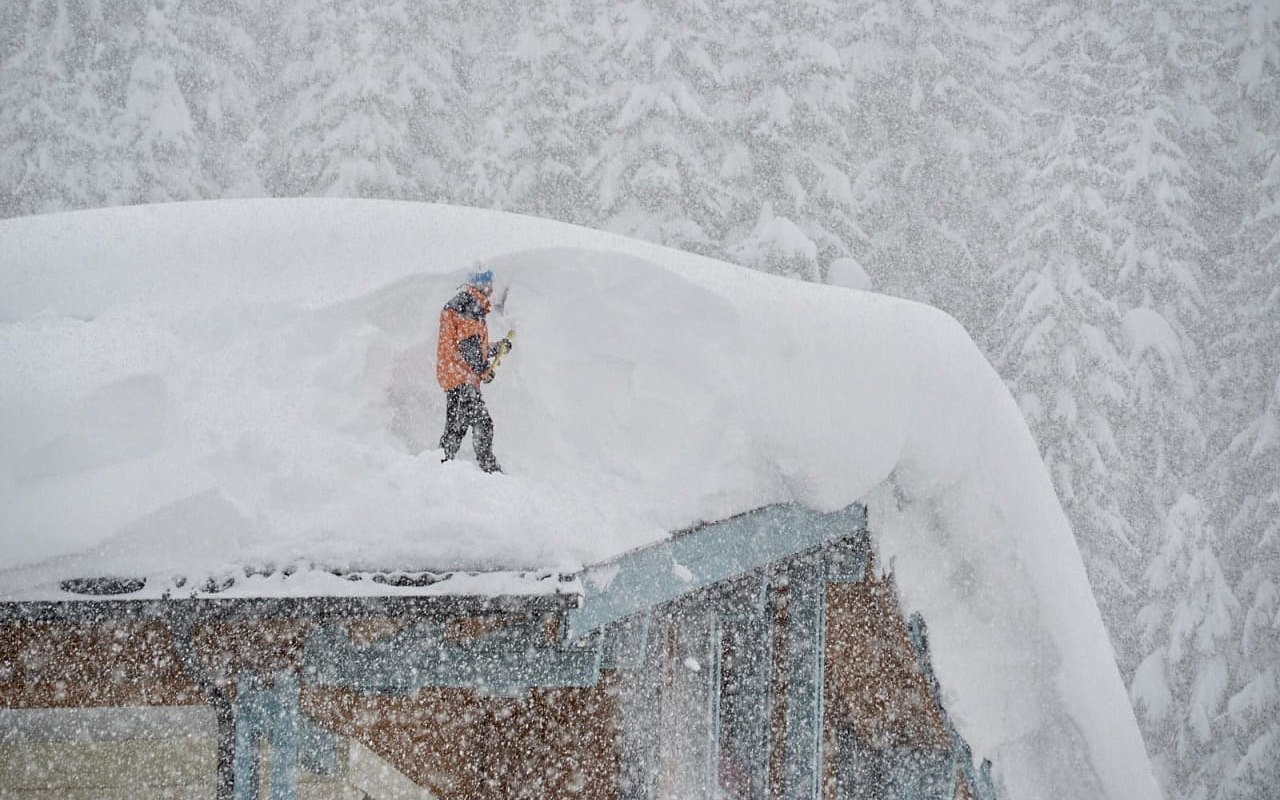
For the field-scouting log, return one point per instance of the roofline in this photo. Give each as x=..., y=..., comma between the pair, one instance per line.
x=324, y=608
x=707, y=555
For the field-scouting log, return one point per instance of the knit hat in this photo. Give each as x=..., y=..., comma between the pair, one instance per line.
x=481, y=279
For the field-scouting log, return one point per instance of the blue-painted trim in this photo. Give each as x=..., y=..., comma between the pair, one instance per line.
x=641, y=709
x=285, y=731
x=252, y=709
x=625, y=644
x=267, y=709
x=847, y=560
x=712, y=672
x=663, y=572
x=806, y=634
x=420, y=658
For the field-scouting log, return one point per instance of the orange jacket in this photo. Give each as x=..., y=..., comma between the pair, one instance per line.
x=462, y=353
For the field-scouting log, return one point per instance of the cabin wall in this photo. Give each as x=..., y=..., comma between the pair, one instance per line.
x=549, y=743
x=885, y=736
x=650, y=724
x=874, y=680
x=63, y=665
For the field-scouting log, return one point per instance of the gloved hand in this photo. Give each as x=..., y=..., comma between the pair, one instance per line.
x=487, y=377
x=504, y=346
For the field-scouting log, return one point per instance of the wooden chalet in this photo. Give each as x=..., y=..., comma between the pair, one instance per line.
x=761, y=656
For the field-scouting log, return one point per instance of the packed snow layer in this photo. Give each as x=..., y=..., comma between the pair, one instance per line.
x=198, y=388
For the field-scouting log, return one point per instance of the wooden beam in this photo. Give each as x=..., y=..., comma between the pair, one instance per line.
x=712, y=672
x=668, y=570
x=192, y=610
x=251, y=710
x=420, y=657
x=217, y=698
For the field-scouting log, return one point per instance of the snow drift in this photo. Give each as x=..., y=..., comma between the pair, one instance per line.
x=200, y=387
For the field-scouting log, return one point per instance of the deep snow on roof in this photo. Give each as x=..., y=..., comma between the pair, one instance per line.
x=195, y=388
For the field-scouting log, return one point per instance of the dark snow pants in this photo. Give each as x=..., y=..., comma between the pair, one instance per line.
x=465, y=409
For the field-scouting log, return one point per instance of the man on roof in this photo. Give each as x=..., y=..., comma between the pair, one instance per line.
x=464, y=360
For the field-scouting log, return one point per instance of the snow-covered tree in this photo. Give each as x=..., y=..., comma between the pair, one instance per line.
x=1159, y=281
x=1247, y=347
x=155, y=151
x=1055, y=348
x=1180, y=689
x=1254, y=708
x=368, y=102
x=531, y=151
x=785, y=114
x=52, y=109
x=654, y=171
x=1246, y=475
x=932, y=128
x=1057, y=340
x=222, y=75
